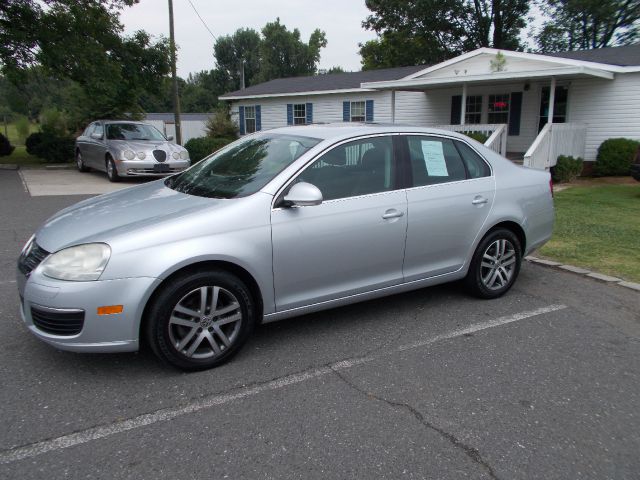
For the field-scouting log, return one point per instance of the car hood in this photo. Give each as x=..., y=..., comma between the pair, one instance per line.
x=146, y=145
x=102, y=218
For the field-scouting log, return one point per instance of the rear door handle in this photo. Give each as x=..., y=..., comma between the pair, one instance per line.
x=392, y=213
x=479, y=200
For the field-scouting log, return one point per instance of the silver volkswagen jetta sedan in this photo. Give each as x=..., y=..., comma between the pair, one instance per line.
x=275, y=225
x=128, y=149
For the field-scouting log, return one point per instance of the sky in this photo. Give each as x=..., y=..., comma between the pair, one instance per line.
x=340, y=19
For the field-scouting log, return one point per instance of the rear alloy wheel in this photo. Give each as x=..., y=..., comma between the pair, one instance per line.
x=80, y=163
x=112, y=173
x=201, y=320
x=495, y=264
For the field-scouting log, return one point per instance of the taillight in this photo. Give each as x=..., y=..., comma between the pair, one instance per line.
x=551, y=186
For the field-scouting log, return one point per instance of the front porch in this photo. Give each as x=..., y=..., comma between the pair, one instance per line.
x=519, y=105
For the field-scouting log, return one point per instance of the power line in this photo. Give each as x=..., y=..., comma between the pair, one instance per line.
x=202, y=20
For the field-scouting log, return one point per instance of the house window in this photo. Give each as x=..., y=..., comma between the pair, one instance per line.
x=498, y=108
x=473, y=112
x=559, y=106
x=250, y=119
x=358, y=111
x=299, y=114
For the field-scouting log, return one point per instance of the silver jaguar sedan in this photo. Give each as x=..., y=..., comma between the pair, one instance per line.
x=275, y=225
x=128, y=149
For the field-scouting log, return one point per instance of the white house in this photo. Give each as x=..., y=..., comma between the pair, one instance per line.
x=532, y=107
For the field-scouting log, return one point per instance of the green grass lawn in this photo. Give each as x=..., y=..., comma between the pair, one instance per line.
x=598, y=228
x=12, y=133
x=21, y=157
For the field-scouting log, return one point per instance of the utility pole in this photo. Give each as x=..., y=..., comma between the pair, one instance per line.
x=174, y=76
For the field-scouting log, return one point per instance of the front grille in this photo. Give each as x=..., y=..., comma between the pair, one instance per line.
x=144, y=171
x=31, y=259
x=160, y=155
x=58, y=322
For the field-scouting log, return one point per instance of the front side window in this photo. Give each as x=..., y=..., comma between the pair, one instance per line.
x=434, y=160
x=498, y=108
x=361, y=167
x=242, y=168
x=473, y=112
x=299, y=114
x=358, y=111
x=98, y=130
x=132, y=131
x=250, y=119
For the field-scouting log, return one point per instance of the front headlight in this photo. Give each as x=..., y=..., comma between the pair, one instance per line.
x=129, y=154
x=142, y=155
x=184, y=155
x=176, y=155
x=80, y=263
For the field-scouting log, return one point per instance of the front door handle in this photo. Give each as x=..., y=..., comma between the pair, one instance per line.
x=392, y=213
x=479, y=200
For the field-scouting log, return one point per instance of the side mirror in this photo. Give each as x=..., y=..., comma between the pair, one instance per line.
x=96, y=136
x=303, y=195
x=169, y=138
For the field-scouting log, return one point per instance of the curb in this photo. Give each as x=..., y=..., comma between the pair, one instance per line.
x=9, y=166
x=584, y=272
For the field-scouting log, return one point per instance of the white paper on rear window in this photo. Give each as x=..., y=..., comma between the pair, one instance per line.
x=434, y=158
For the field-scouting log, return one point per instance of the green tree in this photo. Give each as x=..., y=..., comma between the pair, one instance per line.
x=232, y=51
x=415, y=32
x=284, y=54
x=587, y=24
x=81, y=42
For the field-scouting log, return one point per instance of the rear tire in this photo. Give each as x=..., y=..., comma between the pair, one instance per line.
x=200, y=320
x=112, y=173
x=495, y=264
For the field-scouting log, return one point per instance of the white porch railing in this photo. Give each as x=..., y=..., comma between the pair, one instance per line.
x=497, y=133
x=554, y=140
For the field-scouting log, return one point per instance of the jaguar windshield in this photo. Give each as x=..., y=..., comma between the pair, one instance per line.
x=242, y=168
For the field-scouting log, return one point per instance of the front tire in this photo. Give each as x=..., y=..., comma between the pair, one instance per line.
x=495, y=264
x=80, y=162
x=200, y=320
x=112, y=173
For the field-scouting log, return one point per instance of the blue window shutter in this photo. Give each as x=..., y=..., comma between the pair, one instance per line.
x=456, y=109
x=289, y=113
x=368, y=109
x=258, y=118
x=346, y=111
x=515, y=113
x=309, y=113
x=241, y=111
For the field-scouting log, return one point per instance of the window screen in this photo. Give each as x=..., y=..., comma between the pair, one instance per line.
x=434, y=160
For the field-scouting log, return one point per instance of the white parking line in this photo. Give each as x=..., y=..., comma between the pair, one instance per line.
x=95, y=433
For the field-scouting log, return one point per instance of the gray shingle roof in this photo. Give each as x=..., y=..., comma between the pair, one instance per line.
x=330, y=81
x=626, y=56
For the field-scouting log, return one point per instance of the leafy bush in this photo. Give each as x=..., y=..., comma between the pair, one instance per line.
x=22, y=127
x=220, y=124
x=5, y=146
x=200, y=147
x=50, y=147
x=54, y=122
x=566, y=169
x=477, y=136
x=615, y=157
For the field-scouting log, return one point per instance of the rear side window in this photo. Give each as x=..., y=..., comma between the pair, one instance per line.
x=476, y=166
x=434, y=160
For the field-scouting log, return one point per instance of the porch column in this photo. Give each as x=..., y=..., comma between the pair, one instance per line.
x=463, y=106
x=552, y=99
x=393, y=106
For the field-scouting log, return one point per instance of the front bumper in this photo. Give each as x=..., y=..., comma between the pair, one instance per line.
x=99, y=333
x=146, y=168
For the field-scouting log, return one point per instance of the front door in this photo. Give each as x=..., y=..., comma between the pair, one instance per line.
x=452, y=194
x=559, y=106
x=351, y=243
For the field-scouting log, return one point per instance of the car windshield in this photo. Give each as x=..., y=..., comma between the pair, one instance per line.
x=133, y=131
x=242, y=168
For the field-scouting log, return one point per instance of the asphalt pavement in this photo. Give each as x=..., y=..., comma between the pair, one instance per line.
x=541, y=383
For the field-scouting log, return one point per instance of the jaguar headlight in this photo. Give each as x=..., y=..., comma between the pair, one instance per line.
x=184, y=155
x=79, y=264
x=142, y=155
x=129, y=154
x=176, y=155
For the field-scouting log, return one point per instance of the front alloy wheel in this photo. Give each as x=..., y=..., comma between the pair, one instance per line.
x=200, y=320
x=80, y=162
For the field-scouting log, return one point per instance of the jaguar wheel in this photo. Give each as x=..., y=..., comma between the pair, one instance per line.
x=112, y=172
x=201, y=320
x=495, y=264
x=80, y=162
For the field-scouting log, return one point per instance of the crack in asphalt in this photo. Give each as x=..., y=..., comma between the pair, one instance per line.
x=468, y=450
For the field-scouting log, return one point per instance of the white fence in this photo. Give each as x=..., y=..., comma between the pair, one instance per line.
x=497, y=133
x=554, y=140
x=190, y=128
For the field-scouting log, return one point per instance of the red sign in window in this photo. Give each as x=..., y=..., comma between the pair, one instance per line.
x=500, y=105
